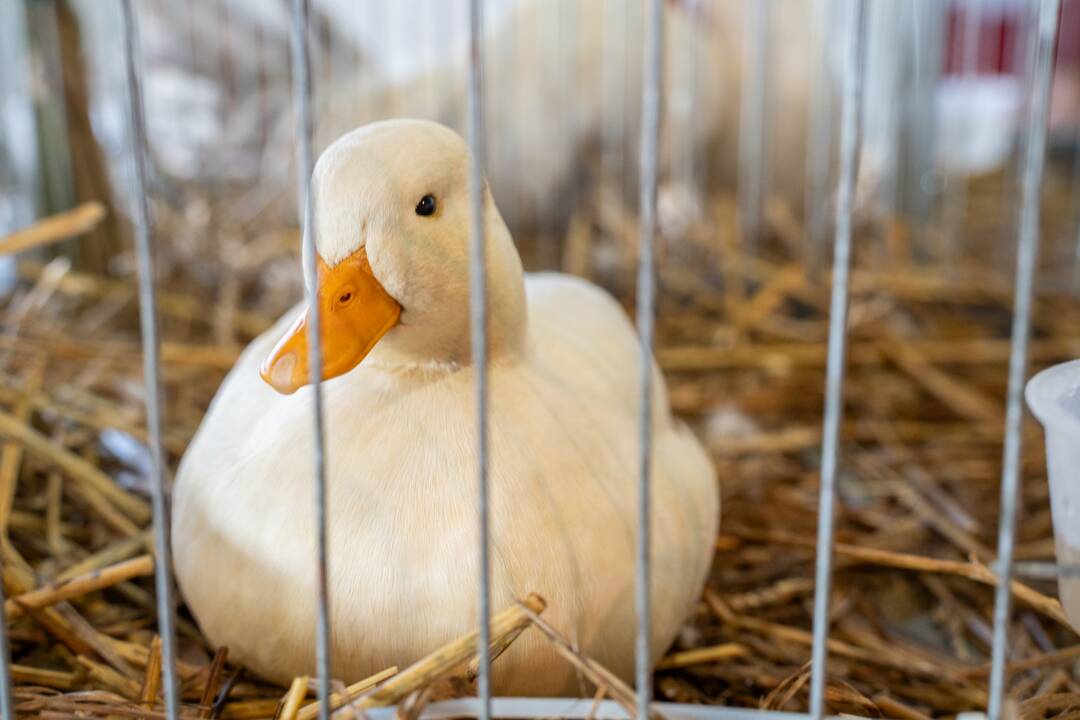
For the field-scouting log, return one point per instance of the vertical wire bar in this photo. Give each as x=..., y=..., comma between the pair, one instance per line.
x=819, y=141
x=1074, y=284
x=1023, y=57
x=10, y=14
x=509, y=67
x=753, y=119
x=1074, y=276
x=569, y=41
x=301, y=68
x=563, y=36
x=613, y=85
x=1027, y=252
x=923, y=177
x=892, y=52
x=956, y=201
x=144, y=249
x=478, y=325
x=7, y=699
x=633, y=24
x=834, y=379
x=646, y=295
x=688, y=103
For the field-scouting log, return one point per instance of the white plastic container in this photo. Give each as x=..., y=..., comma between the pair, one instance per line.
x=977, y=120
x=1054, y=397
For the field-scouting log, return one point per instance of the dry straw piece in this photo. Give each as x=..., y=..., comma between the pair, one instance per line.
x=54, y=229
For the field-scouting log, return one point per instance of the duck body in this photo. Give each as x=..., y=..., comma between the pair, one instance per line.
x=402, y=519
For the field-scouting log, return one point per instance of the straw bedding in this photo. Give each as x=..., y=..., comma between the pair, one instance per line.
x=742, y=341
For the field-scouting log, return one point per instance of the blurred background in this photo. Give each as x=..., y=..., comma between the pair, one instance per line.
x=751, y=93
x=748, y=176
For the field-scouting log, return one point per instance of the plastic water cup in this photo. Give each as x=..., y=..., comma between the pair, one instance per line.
x=1054, y=397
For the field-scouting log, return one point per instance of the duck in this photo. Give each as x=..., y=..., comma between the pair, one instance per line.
x=391, y=226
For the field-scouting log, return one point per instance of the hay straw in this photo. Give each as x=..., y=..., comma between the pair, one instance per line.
x=54, y=229
x=741, y=342
x=67, y=589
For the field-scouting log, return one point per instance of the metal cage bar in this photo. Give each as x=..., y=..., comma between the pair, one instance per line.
x=835, y=370
x=956, y=200
x=478, y=328
x=646, y=300
x=818, y=142
x=686, y=164
x=1076, y=262
x=753, y=121
x=1027, y=252
x=301, y=68
x=7, y=698
x=144, y=250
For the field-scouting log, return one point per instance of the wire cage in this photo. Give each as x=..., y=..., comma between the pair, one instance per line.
x=864, y=119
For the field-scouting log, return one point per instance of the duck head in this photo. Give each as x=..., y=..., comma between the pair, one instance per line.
x=391, y=219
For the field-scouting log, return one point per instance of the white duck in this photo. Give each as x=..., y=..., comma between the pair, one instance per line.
x=392, y=235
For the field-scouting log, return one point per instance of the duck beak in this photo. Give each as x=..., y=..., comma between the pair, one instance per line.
x=355, y=311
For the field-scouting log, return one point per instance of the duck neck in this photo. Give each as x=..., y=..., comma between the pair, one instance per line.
x=507, y=323
x=438, y=335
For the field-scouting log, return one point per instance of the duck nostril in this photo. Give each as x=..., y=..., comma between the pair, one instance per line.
x=345, y=298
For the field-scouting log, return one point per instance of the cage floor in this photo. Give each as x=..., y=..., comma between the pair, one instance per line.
x=742, y=342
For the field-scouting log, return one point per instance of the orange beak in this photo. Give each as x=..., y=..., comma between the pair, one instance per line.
x=354, y=312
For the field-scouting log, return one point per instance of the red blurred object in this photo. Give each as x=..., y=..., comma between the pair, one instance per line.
x=1068, y=50
x=999, y=30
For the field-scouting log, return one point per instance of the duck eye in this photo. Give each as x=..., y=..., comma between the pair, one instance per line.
x=426, y=206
